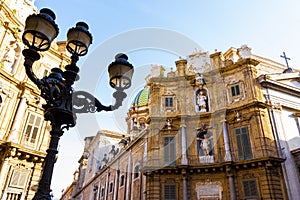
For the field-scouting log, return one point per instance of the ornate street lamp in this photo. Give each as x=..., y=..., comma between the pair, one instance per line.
x=62, y=102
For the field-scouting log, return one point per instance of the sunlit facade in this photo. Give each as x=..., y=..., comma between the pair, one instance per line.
x=219, y=126
x=24, y=135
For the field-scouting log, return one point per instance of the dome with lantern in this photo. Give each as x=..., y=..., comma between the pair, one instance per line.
x=138, y=114
x=142, y=98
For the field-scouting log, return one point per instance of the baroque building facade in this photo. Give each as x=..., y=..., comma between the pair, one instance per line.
x=221, y=126
x=24, y=135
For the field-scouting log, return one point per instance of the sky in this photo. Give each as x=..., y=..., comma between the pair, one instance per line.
x=158, y=32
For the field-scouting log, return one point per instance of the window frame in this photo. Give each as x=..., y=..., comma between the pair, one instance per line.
x=233, y=88
x=111, y=188
x=169, y=105
x=122, y=183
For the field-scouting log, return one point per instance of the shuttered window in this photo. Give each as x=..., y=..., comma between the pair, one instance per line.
x=243, y=143
x=32, y=127
x=169, y=150
x=169, y=102
x=18, y=179
x=250, y=189
x=235, y=90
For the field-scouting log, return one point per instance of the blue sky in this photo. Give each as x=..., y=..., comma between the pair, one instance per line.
x=269, y=27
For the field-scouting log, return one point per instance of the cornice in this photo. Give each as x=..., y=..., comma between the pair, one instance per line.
x=240, y=64
x=225, y=167
x=15, y=150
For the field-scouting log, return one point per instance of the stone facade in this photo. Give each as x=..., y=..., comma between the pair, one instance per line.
x=208, y=130
x=24, y=135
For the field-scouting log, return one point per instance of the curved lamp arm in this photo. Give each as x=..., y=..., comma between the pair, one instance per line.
x=30, y=57
x=84, y=102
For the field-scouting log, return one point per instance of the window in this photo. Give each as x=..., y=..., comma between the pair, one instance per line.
x=250, y=189
x=122, y=180
x=111, y=187
x=169, y=150
x=136, y=172
x=235, y=90
x=170, y=192
x=169, y=102
x=243, y=143
x=102, y=192
x=18, y=179
x=33, y=124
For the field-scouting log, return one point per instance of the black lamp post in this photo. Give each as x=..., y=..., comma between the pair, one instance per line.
x=62, y=102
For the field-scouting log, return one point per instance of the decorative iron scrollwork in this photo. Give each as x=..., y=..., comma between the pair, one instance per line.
x=84, y=102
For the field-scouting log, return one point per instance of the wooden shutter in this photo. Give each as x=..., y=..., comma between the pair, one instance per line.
x=246, y=143
x=243, y=143
x=239, y=144
x=169, y=150
x=18, y=179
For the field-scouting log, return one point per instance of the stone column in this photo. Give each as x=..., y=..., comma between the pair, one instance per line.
x=106, y=185
x=128, y=189
x=184, y=160
x=145, y=154
x=227, y=143
x=231, y=187
x=116, y=184
x=19, y=118
x=185, y=192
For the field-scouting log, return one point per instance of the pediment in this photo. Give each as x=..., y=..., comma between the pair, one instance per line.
x=290, y=79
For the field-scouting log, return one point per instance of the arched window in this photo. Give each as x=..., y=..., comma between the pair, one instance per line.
x=122, y=180
x=111, y=187
x=136, y=172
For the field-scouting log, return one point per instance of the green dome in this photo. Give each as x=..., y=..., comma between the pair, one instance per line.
x=142, y=98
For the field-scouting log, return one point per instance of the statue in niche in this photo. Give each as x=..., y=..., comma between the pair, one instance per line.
x=9, y=56
x=104, y=161
x=202, y=101
x=204, y=142
x=169, y=123
x=113, y=152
